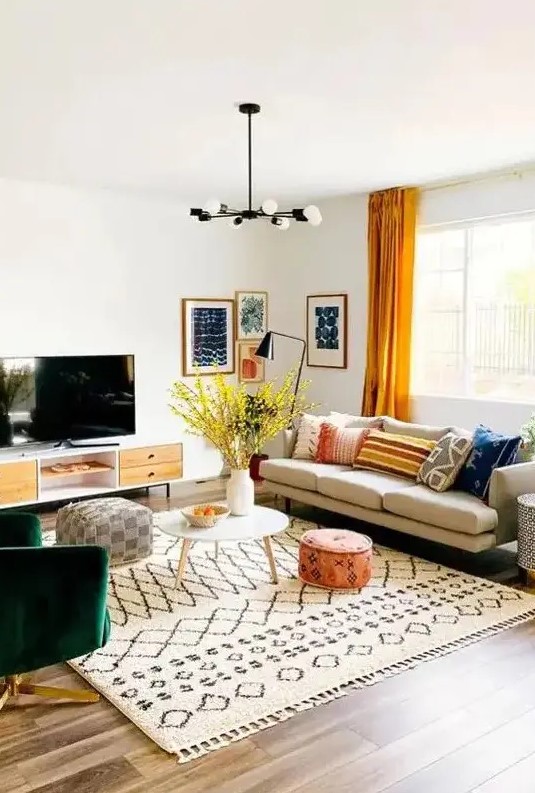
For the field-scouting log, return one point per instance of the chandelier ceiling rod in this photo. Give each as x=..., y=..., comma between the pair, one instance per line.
x=269, y=209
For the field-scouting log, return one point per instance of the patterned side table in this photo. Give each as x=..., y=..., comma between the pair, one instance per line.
x=526, y=531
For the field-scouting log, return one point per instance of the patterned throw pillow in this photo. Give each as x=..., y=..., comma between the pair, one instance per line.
x=308, y=436
x=490, y=450
x=441, y=468
x=339, y=444
x=393, y=454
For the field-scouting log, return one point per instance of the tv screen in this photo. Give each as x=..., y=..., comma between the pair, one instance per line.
x=66, y=398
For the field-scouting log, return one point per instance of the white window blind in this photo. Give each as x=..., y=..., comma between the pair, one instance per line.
x=474, y=310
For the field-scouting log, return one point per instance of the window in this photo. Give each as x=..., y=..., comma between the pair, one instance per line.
x=474, y=310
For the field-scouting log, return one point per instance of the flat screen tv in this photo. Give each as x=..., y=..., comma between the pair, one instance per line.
x=64, y=398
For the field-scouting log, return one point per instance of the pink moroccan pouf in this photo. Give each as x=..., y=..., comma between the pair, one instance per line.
x=335, y=558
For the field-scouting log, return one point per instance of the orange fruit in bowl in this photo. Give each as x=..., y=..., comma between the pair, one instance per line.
x=209, y=511
x=198, y=511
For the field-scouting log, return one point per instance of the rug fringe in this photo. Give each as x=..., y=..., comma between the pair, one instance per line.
x=193, y=752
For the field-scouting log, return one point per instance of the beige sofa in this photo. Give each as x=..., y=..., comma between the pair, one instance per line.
x=452, y=518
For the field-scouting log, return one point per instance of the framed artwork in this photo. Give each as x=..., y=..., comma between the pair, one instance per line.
x=250, y=367
x=207, y=336
x=327, y=331
x=251, y=315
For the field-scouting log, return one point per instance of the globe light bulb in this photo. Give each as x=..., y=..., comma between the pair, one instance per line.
x=236, y=222
x=212, y=206
x=269, y=206
x=312, y=214
x=284, y=224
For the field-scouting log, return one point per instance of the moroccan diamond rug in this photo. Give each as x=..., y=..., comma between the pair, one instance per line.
x=230, y=653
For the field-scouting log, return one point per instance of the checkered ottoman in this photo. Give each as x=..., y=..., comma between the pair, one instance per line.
x=121, y=526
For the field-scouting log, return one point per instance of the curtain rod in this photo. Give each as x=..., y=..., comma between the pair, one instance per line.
x=518, y=172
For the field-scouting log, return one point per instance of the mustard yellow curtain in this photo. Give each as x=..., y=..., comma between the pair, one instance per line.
x=391, y=237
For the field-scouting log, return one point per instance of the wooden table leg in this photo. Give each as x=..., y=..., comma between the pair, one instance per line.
x=186, y=545
x=271, y=559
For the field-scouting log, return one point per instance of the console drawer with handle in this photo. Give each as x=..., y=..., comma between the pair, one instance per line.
x=150, y=455
x=146, y=474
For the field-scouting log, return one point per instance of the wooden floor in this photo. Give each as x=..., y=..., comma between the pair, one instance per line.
x=464, y=723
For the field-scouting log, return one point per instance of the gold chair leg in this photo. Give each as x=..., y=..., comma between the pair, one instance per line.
x=4, y=695
x=14, y=685
x=58, y=693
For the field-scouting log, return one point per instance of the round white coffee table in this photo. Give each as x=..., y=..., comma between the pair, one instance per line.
x=261, y=524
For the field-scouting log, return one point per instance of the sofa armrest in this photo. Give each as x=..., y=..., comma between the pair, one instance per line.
x=289, y=438
x=53, y=605
x=506, y=484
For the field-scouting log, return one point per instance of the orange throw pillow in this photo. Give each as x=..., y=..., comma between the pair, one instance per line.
x=339, y=445
x=401, y=455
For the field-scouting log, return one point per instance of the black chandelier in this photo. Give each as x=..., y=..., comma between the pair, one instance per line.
x=269, y=209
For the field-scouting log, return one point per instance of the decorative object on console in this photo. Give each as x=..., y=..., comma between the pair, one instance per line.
x=490, y=450
x=251, y=368
x=400, y=455
x=339, y=445
x=442, y=467
x=237, y=423
x=335, y=558
x=251, y=315
x=269, y=209
x=266, y=349
x=327, y=331
x=207, y=336
x=123, y=527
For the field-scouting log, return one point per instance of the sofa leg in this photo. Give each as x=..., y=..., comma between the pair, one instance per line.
x=288, y=505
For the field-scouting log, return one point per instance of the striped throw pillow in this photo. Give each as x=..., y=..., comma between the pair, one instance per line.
x=339, y=445
x=401, y=455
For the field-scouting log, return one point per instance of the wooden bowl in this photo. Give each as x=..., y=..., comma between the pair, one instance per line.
x=205, y=521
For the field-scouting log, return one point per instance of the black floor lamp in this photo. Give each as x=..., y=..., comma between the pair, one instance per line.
x=266, y=350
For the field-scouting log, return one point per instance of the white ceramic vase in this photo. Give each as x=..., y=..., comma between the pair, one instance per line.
x=240, y=492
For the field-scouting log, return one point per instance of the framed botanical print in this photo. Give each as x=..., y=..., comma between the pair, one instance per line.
x=207, y=336
x=251, y=315
x=327, y=331
x=250, y=367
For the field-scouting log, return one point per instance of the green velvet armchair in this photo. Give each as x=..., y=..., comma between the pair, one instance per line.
x=52, y=605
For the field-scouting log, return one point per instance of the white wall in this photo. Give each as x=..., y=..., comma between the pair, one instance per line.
x=103, y=272
x=494, y=196
x=329, y=258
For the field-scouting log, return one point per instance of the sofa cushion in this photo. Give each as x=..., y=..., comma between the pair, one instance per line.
x=363, y=488
x=350, y=421
x=297, y=473
x=450, y=510
x=426, y=431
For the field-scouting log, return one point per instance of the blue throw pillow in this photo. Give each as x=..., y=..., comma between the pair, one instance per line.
x=491, y=450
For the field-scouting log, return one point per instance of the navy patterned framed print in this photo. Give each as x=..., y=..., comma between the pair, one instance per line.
x=327, y=331
x=207, y=336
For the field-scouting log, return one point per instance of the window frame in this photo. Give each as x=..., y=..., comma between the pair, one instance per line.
x=468, y=226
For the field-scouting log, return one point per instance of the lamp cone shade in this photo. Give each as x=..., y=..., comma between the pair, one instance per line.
x=265, y=348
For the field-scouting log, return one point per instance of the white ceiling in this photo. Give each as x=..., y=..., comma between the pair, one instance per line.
x=356, y=94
